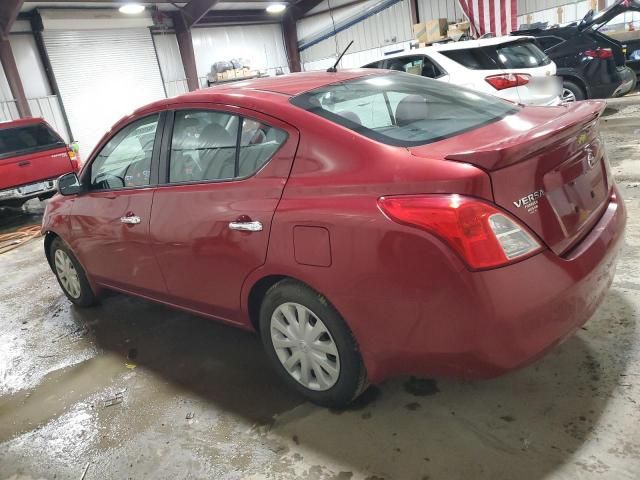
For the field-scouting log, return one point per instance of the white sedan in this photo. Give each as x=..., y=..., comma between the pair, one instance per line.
x=511, y=68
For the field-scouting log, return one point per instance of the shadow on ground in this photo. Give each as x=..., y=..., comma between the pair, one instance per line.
x=526, y=424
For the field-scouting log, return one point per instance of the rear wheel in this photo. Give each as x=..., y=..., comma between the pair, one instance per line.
x=70, y=274
x=310, y=345
x=571, y=92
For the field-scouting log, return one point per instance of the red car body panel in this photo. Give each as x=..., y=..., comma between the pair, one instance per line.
x=32, y=167
x=412, y=303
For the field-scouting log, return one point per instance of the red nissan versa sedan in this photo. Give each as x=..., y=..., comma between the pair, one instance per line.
x=367, y=223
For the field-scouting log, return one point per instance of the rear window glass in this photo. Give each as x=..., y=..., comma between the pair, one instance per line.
x=473, y=58
x=29, y=138
x=402, y=109
x=521, y=55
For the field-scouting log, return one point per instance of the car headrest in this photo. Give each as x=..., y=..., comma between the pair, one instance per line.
x=213, y=135
x=410, y=109
x=351, y=116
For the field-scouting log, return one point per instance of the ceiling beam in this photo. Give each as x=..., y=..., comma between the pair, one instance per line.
x=9, y=10
x=300, y=9
x=238, y=17
x=196, y=9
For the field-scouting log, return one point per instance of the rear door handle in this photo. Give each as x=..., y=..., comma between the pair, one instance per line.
x=250, y=226
x=130, y=219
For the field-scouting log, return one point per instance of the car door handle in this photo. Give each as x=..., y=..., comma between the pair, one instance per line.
x=130, y=219
x=249, y=226
x=26, y=163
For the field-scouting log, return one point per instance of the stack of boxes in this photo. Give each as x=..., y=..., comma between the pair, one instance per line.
x=433, y=31
x=235, y=73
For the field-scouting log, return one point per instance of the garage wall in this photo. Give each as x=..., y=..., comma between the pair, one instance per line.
x=34, y=81
x=531, y=11
x=262, y=45
x=432, y=9
x=385, y=30
x=175, y=80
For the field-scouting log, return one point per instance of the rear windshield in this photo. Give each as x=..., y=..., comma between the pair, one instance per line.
x=19, y=140
x=518, y=54
x=521, y=55
x=402, y=109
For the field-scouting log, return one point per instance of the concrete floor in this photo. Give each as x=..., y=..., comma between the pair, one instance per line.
x=131, y=389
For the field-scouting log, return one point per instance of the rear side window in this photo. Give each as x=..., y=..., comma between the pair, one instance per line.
x=209, y=145
x=373, y=65
x=521, y=55
x=403, y=110
x=15, y=141
x=417, y=65
x=473, y=58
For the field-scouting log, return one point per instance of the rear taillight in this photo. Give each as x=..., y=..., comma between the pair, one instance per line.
x=508, y=80
x=74, y=159
x=601, y=53
x=482, y=235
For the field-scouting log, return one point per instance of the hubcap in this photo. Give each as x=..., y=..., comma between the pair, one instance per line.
x=304, y=346
x=67, y=273
x=568, y=96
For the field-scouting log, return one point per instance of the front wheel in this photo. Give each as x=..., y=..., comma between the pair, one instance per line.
x=70, y=274
x=310, y=345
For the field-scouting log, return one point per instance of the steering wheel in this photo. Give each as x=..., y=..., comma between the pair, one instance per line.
x=105, y=178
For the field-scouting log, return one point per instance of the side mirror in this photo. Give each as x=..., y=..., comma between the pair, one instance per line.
x=69, y=184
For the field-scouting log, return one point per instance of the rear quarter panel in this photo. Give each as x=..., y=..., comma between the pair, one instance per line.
x=379, y=270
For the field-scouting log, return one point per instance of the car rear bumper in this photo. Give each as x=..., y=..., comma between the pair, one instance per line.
x=508, y=317
x=19, y=195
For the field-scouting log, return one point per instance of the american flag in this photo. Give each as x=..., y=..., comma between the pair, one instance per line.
x=495, y=16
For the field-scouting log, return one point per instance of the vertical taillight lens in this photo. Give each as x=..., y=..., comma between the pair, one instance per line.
x=508, y=80
x=74, y=159
x=482, y=235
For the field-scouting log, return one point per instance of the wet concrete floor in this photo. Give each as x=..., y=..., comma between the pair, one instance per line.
x=131, y=389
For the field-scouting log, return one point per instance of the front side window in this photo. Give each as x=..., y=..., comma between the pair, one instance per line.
x=404, y=110
x=125, y=161
x=209, y=145
x=19, y=140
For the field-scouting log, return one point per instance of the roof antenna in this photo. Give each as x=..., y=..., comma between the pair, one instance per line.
x=334, y=69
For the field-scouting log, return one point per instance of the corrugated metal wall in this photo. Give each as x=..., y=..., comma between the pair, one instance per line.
x=389, y=27
x=531, y=11
x=432, y=9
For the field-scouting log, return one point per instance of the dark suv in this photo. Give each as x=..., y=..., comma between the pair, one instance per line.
x=591, y=64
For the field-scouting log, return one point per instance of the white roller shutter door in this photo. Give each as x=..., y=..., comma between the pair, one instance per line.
x=102, y=76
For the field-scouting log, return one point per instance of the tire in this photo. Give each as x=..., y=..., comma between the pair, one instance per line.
x=77, y=290
x=570, y=88
x=341, y=378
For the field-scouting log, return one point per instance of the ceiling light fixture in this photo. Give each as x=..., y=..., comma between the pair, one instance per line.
x=131, y=8
x=276, y=8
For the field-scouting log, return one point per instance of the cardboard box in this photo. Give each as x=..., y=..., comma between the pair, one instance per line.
x=430, y=31
x=462, y=26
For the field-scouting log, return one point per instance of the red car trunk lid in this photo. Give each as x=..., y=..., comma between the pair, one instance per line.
x=547, y=167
